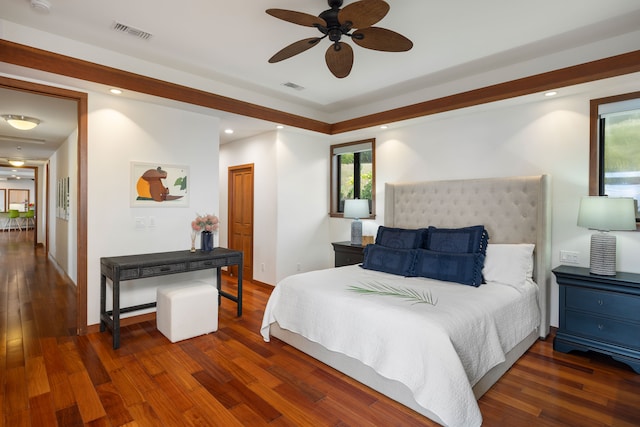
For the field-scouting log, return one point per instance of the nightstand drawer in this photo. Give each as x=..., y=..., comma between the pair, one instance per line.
x=603, y=329
x=605, y=303
x=347, y=254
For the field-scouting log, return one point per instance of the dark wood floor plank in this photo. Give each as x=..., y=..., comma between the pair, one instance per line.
x=87, y=398
x=231, y=377
x=113, y=404
x=16, y=395
x=212, y=409
x=37, y=379
x=42, y=411
x=69, y=417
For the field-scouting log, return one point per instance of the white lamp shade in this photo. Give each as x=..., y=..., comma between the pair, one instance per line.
x=607, y=213
x=356, y=208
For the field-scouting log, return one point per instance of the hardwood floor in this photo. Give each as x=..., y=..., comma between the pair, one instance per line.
x=51, y=377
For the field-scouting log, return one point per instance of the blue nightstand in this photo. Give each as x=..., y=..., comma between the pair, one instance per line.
x=599, y=313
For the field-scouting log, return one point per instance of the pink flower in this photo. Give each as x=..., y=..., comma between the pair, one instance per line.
x=206, y=222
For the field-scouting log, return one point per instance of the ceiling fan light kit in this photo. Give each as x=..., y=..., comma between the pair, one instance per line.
x=21, y=122
x=355, y=20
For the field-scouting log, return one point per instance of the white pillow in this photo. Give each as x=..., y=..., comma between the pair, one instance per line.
x=509, y=264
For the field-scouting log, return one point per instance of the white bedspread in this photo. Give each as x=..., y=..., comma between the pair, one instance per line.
x=438, y=351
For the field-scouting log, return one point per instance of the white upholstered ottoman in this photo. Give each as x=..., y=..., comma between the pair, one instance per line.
x=187, y=311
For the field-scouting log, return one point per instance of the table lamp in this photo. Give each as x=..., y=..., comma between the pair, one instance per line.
x=356, y=209
x=606, y=214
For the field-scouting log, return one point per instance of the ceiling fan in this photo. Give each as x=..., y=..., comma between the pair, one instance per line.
x=335, y=23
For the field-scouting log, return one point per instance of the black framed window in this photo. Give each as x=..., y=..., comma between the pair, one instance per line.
x=352, y=174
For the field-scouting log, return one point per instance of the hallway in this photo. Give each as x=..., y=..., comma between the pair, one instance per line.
x=37, y=307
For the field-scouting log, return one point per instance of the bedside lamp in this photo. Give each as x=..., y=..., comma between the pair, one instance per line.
x=356, y=209
x=606, y=214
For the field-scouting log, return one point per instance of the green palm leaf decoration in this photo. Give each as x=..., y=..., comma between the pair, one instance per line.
x=378, y=288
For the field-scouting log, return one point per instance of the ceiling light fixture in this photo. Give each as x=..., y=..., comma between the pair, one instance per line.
x=228, y=131
x=21, y=122
x=115, y=91
x=42, y=6
x=551, y=93
x=16, y=163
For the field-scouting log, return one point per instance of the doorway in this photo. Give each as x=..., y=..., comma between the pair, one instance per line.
x=80, y=99
x=241, y=215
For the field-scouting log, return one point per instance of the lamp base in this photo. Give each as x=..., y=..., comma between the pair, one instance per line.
x=603, y=254
x=356, y=232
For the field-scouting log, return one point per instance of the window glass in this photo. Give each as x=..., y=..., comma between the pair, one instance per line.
x=619, y=149
x=352, y=174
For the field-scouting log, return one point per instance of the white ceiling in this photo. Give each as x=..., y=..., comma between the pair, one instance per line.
x=228, y=43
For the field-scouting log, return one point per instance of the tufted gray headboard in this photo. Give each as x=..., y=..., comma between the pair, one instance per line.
x=513, y=210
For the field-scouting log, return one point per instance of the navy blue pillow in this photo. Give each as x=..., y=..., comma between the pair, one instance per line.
x=451, y=267
x=458, y=240
x=389, y=260
x=402, y=238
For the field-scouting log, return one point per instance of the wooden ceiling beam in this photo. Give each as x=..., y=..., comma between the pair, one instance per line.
x=43, y=60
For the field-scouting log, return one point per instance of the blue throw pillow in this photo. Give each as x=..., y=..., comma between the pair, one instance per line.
x=389, y=260
x=451, y=267
x=458, y=240
x=401, y=238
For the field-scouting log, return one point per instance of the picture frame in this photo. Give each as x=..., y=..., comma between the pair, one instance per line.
x=159, y=185
x=62, y=199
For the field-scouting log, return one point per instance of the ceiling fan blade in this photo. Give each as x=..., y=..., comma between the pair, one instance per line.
x=294, y=49
x=381, y=39
x=299, y=18
x=339, y=60
x=363, y=13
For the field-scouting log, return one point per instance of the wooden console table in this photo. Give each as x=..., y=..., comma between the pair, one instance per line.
x=142, y=266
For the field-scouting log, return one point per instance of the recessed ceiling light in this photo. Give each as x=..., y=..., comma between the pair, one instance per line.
x=551, y=93
x=279, y=127
x=228, y=131
x=384, y=127
x=115, y=91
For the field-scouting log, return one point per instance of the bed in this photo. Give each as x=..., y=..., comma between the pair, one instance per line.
x=362, y=323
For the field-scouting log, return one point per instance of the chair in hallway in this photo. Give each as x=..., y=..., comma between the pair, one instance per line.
x=14, y=217
x=29, y=219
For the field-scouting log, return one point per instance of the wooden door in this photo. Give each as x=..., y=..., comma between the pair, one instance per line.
x=241, y=215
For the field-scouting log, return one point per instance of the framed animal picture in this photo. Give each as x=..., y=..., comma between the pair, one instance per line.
x=159, y=185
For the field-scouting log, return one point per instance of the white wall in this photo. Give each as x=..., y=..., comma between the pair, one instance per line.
x=528, y=136
x=261, y=152
x=63, y=245
x=290, y=200
x=22, y=184
x=122, y=131
x=303, y=203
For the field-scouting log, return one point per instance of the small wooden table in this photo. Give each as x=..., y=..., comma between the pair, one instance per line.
x=141, y=266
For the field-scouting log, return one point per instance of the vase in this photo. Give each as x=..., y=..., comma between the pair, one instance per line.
x=206, y=241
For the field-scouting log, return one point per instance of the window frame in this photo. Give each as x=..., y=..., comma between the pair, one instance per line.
x=334, y=177
x=595, y=148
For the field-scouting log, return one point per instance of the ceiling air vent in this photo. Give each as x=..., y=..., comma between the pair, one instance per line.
x=293, y=86
x=123, y=28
